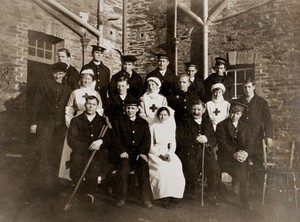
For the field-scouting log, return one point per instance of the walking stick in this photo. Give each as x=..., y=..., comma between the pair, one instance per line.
x=101, y=134
x=202, y=177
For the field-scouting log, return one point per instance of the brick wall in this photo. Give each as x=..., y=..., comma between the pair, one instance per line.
x=20, y=16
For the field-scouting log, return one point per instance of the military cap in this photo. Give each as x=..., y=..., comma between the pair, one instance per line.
x=190, y=64
x=237, y=106
x=132, y=101
x=162, y=56
x=129, y=58
x=220, y=60
x=59, y=67
x=98, y=48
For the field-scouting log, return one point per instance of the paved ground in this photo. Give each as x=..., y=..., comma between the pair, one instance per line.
x=45, y=208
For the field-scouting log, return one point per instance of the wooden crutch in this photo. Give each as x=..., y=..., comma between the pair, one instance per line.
x=101, y=134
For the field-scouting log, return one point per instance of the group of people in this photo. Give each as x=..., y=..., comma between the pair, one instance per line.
x=161, y=128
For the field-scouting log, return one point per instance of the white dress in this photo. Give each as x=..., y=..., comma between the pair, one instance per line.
x=166, y=178
x=150, y=103
x=75, y=106
x=218, y=110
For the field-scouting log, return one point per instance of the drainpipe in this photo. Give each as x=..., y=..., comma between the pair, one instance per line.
x=84, y=44
x=73, y=17
x=191, y=14
x=205, y=39
x=213, y=16
x=63, y=20
x=175, y=39
x=124, y=26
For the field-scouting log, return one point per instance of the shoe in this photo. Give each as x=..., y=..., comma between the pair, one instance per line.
x=236, y=188
x=90, y=198
x=147, y=204
x=247, y=205
x=213, y=200
x=120, y=203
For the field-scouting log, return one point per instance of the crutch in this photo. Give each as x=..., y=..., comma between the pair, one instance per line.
x=101, y=134
x=202, y=177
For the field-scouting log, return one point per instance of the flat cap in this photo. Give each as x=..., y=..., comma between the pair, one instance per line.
x=220, y=60
x=132, y=101
x=190, y=64
x=59, y=67
x=237, y=106
x=162, y=56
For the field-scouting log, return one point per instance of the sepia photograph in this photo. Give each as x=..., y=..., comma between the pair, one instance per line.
x=149, y=110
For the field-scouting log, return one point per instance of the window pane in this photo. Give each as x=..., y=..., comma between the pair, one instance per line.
x=240, y=76
x=40, y=53
x=48, y=46
x=31, y=51
x=250, y=73
x=48, y=55
x=32, y=42
x=40, y=44
x=239, y=90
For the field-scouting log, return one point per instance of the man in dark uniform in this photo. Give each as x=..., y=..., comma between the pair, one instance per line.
x=131, y=144
x=234, y=147
x=258, y=118
x=193, y=133
x=182, y=100
x=116, y=102
x=72, y=75
x=134, y=79
x=219, y=77
x=102, y=72
x=48, y=124
x=83, y=139
x=166, y=76
x=196, y=86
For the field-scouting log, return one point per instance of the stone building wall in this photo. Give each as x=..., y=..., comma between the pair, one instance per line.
x=18, y=17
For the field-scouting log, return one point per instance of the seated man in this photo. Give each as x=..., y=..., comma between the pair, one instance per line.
x=131, y=144
x=192, y=134
x=234, y=143
x=83, y=139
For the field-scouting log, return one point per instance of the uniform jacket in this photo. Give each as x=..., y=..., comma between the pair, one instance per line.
x=102, y=76
x=188, y=130
x=231, y=139
x=257, y=116
x=197, y=87
x=181, y=102
x=72, y=77
x=82, y=132
x=213, y=79
x=132, y=137
x=135, y=82
x=49, y=102
x=115, y=106
x=169, y=82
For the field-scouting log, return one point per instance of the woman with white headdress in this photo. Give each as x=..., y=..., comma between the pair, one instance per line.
x=166, y=175
x=75, y=106
x=217, y=108
x=152, y=99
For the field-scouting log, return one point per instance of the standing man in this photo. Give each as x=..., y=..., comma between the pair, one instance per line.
x=166, y=76
x=257, y=116
x=48, y=124
x=234, y=147
x=131, y=144
x=134, y=79
x=182, y=100
x=196, y=86
x=72, y=75
x=102, y=72
x=192, y=134
x=219, y=76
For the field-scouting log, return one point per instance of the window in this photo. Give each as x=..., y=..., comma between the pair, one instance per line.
x=42, y=47
x=240, y=73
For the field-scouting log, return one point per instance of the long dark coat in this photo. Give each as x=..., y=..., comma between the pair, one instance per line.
x=258, y=118
x=197, y=87
x=72, y=77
